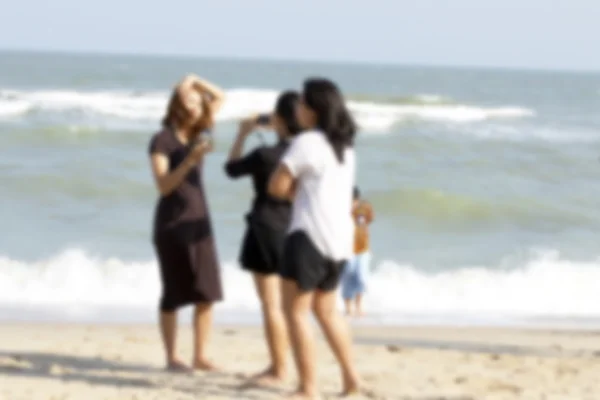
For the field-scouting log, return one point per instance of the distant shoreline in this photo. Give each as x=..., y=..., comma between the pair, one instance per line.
x=115, y=316
x=276, y=61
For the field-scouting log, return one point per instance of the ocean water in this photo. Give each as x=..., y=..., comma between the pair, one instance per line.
x=484, y=184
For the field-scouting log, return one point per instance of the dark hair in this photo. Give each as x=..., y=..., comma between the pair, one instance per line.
x=177, y=115
x=356, y=193
x=333, y=117
x=286, y=110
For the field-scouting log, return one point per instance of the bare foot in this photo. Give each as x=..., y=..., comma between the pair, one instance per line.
x=268, y=378
x=204, y=365
x=177, y=366
x=303, y=396
x=350, y=392
x=352, y=386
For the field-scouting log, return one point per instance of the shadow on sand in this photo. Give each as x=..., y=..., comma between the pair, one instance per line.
x=101, y=372
x=69, y=368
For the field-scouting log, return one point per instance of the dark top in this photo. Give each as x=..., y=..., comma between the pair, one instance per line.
x=260, y=164
x=184, y=211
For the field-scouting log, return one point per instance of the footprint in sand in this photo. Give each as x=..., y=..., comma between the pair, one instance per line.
x=562, y=370
x=394, y=349
x=135, y=339
x=504, y=387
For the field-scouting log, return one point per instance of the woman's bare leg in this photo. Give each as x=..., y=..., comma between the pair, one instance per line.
x=202, y=329
x=337, y=334
x=168, y=330
x=268, y=288
x=297, y=306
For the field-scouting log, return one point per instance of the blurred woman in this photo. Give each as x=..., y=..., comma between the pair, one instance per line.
x=267, y=223
x=318, y=172
x=182, y=234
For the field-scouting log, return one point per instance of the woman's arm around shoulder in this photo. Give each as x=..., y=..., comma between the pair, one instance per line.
x=295, y=163
x=282, y=184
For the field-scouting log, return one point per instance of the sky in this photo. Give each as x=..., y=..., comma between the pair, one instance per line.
x=536, y=34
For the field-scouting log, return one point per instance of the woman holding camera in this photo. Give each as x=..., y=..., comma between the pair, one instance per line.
x=267, y=223
x=182, y=234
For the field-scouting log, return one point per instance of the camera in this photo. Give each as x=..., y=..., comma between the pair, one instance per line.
x=263, y=119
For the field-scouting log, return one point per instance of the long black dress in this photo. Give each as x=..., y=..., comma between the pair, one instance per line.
x=183, y=236
x=268, y=220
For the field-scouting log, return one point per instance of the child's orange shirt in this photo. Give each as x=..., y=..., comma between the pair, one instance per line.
x=363, y=216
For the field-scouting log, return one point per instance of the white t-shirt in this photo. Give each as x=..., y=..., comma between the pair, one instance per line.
x=322, y=207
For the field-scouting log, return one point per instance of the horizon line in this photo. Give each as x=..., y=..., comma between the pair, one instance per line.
x=274, y=59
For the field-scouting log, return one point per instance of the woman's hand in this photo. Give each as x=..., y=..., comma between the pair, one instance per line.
x=211, y=92
x=214, y=95
x=198, y=151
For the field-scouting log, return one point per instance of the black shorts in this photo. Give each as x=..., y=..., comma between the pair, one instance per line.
x=262, y=248
x=304, y=263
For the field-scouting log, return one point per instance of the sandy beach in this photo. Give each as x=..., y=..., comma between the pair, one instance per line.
x=46, y=361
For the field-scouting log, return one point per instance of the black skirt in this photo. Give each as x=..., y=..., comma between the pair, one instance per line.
x=262, y=247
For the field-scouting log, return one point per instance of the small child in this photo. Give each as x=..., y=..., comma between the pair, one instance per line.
x=355, y=272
